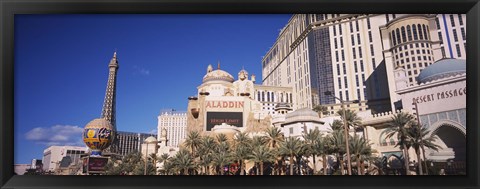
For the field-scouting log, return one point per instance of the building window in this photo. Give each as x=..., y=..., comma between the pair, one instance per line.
x=351, y=27
x=336, y=55
x=291, y=130
x=386, y=16
x=346, y=82
x=357, y=82
x=440, y=37
x=353, y=40
x=372, y=52
x=394, y=41
x=363, y=79
x=338, y=69
x=340, y=94
x=413, y=58
x=341, y=42
x=358, y=94
x=425, y=32
x=360, y=52
x=464, y=36
x=420, y=31
x=373, y=63
x=452, y=20
x=459, y=54
x=409, y=33
x=355, y=66
x=370, y=38
x=334, y=31
x=353, y=53
x=358, y=38
x=356, y=25
x=339, y=83
x=344, y=69
x=340, y=29
x=414, y=31
x=460, y=20
x=347, y=97
x=397, y=33
x=455, y=36
x=443, y=51
x=361, y=65
x=404, y=37
x=437, y=22
x=368, y=22
x=394, y=16
x=343, y=55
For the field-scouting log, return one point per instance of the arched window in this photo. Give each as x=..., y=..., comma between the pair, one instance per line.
x=415, y=35
x=397, y=33
x=420, y=31
x=409, y=33
x=268, y=98
x=404, y=36
x=425, y=32
x=393, y=38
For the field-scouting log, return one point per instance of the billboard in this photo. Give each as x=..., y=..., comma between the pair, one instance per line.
x=96, y=164
x=230, y=118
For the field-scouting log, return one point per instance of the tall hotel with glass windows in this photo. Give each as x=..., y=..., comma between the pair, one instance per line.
x=355, y=56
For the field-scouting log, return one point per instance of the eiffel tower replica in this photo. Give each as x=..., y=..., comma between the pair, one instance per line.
x=109, y=104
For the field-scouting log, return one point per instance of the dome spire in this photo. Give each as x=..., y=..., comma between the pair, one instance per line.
x=218, y=65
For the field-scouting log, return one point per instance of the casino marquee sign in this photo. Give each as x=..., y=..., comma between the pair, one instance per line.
x=224, y=111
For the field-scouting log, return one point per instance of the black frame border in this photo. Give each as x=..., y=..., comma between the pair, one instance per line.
x=11, y=7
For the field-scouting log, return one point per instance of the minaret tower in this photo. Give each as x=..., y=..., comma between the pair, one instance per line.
x=108, y=110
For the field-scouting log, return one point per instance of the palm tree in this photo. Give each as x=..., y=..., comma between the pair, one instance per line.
x=398, y=126
x=206, y=148
x=154, y=159
x=261, y=154
x=183, y=161
x=221, y=138
x=220, y=159
x=193, y=141
x=321, y=109
x=361, y=150
x=320, y=148
x=336, y=145
x=275, y=136
x=163, y=158
x=311, y=138
x=205, y=162
x=292, y=146
x=242, y=149
x=418, y=139
x=351, y=116
x=337, y=125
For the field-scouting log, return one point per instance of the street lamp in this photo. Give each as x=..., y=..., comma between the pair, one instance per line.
x=345, y=128
x=149, y=140
x=421, y=139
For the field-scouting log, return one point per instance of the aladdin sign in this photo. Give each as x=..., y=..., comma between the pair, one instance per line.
x=441, y=95
x=224, y=104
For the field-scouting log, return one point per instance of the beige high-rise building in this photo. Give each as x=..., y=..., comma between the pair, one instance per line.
x=348, y=55
x=175, y=123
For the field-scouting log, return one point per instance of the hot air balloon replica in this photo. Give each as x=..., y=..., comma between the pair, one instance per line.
x=98, y=135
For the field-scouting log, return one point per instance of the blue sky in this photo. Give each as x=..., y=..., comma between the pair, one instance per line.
x=61, y=67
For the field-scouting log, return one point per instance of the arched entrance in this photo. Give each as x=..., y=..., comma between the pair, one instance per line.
x=452, y=138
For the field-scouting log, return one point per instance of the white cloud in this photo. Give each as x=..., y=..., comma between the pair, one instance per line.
x=141, y=71
x=56, y=135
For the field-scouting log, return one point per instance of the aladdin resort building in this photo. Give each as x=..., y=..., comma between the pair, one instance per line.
x=226, y=105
